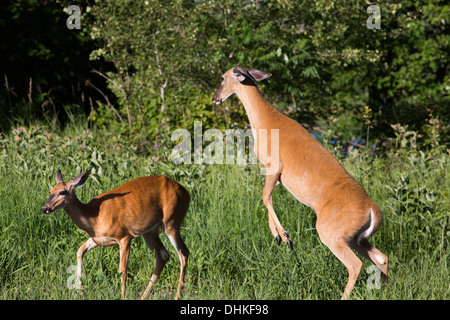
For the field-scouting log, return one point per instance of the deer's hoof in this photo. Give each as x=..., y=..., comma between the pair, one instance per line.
x=278, y=239
x=289, y=241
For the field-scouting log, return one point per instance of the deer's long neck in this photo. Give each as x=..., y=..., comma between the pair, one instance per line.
x=81, y=215
x=258, y=110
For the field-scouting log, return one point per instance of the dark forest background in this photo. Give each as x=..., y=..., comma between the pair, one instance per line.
x=143, y=68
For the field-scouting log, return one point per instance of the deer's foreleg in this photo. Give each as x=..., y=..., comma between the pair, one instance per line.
x=275, y=226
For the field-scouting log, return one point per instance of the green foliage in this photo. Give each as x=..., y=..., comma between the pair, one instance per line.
x=162, y=60
x=157, y=63
x=412, y=77
x=324, y=60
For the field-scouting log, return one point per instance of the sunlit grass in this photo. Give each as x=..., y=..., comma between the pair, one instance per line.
x=233, y=254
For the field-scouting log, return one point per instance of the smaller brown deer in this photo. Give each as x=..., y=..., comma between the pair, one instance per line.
x=136, y=208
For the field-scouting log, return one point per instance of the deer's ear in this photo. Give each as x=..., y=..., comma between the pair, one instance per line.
x=79, y=180
x=59, y=178
x=258, y=74
x=238, y=75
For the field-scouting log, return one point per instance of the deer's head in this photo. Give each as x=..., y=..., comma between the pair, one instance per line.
x=62, y=192
x=236, y=77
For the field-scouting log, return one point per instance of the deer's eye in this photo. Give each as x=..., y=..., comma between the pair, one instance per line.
x=63, y=193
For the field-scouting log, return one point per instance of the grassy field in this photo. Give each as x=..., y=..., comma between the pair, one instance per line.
x=233, y=254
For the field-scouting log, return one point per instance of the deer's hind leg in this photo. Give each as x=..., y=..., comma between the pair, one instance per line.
x=374, y=255
x=161, y=256
x=337, y=242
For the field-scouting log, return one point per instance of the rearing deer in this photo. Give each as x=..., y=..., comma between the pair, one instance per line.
x=136, y=208
x=346, y=215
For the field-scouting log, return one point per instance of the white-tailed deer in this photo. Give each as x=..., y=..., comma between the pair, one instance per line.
x=136, y=208
x=346, y=215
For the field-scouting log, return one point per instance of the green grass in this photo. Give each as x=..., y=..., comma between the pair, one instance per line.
x=233, y=254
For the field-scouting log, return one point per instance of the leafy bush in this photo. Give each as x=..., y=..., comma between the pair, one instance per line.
x=325, y=62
